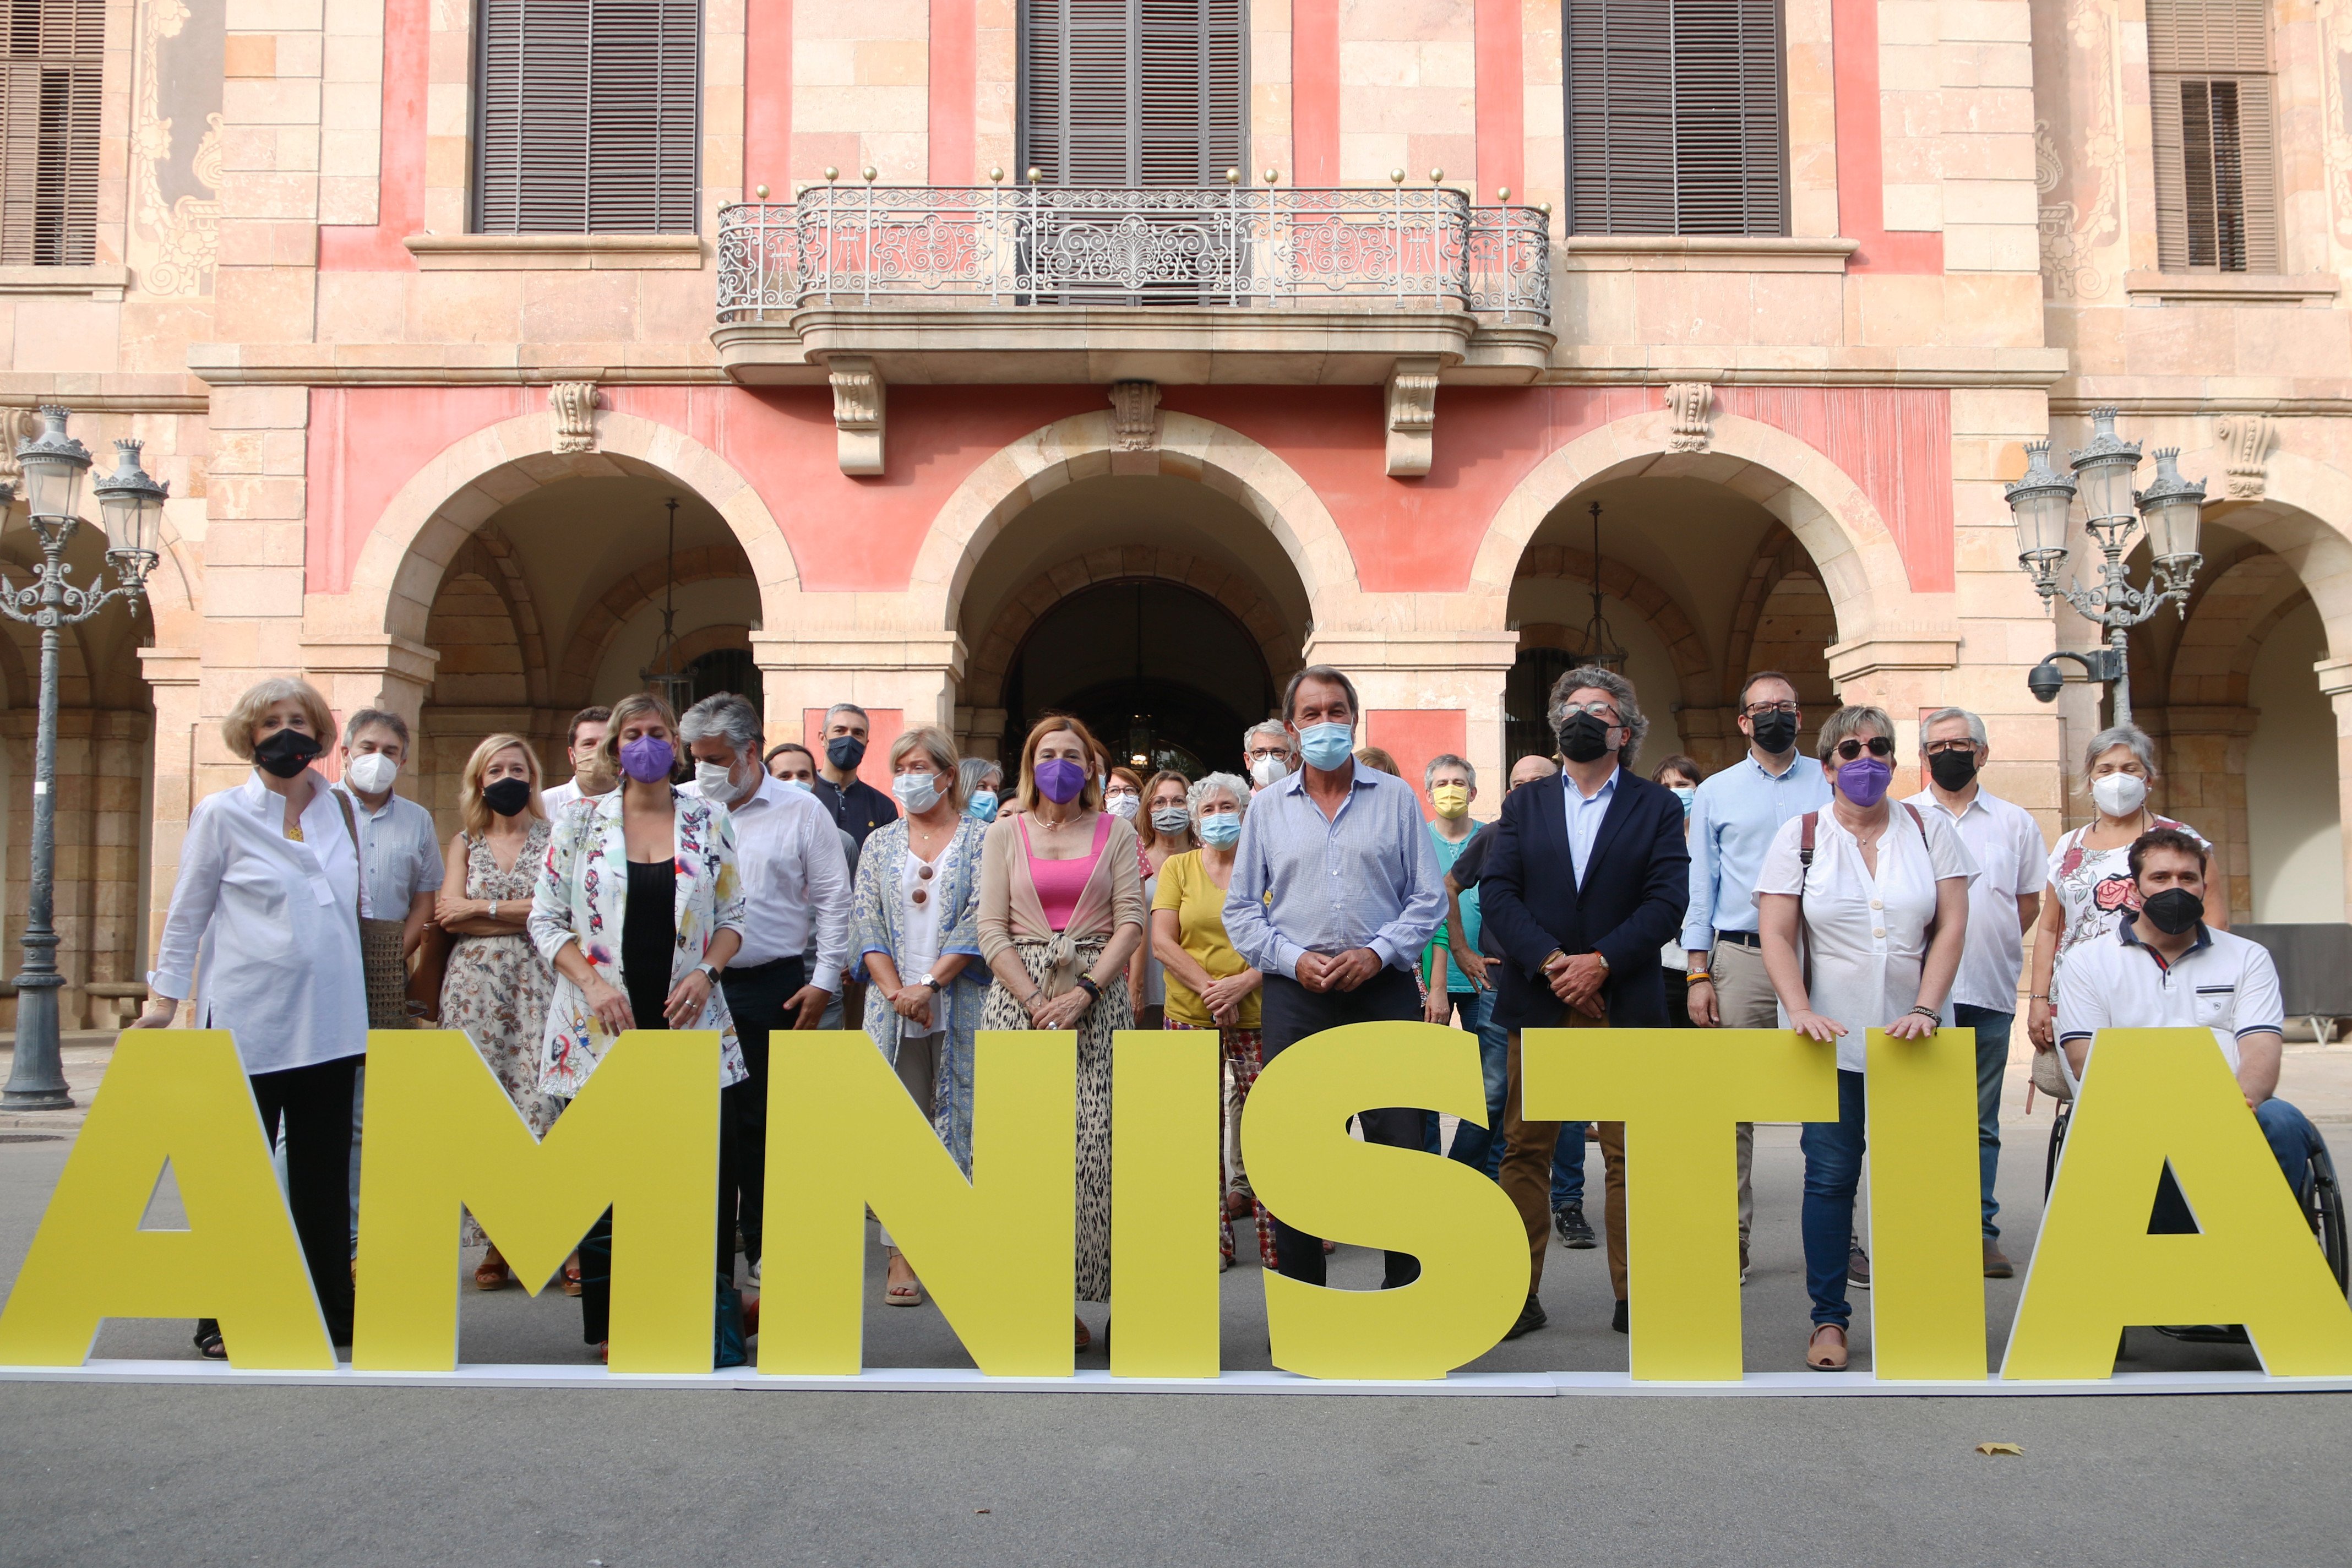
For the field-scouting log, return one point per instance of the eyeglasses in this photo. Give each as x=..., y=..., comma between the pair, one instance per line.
x=1605, y=710
x=1766, y=709
x=1940, y=748
x=1849, y=748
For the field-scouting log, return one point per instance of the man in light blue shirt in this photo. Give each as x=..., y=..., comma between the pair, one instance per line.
x=1335, y=890
x=1733, y=819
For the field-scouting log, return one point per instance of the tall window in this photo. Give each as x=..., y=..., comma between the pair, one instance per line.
x=2210, y=90
x=1674, y=117
x=51, y=56
x=1133, y=92
x=589, y=117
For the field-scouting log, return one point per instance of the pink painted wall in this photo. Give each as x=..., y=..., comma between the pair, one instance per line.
x=1502, y=101
x=1861, y=175
x=400, y=193
x=954, y=90
x=768, y=98
x=1315, y=91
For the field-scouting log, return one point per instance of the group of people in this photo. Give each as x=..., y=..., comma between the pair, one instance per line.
x=688, y=875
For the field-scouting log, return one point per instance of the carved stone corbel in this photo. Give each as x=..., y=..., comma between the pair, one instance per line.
x=16, y=425
x=574, y=404
x=1413, y=414
x=1689, y=402
x=2246, y=439
x=860, y=401
x=1135, y=415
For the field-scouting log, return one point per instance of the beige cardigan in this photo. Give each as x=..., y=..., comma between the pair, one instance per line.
x=1010, y=912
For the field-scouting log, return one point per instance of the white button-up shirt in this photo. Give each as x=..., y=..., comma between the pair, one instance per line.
x=1865, y=936
x=1585, y=815
x=2224, y=983
x=561, y=797
x=2014, y=862
x=271, y=928
x=796, y=881
x=399, y=853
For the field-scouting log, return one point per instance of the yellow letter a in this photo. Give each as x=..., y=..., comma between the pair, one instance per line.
x=176, y=1095
x=998, y=1253
x=2154, y=1095
x=641, y=1139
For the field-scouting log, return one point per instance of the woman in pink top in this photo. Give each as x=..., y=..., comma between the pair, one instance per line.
x=1061, y=911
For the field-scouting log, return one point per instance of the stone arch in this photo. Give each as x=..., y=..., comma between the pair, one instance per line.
x=489, y=556
x=1654, y=603
x=992, y=661
x=604, y=620
x=1823, y=508
x=2227, y=617
x=1780, y=555
x=2304, y=518
x=1084, y=446
x=455, y=492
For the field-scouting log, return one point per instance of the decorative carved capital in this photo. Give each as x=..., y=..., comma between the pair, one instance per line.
x=1135, y=415
x=1689, y=402
x=1413, y=414
x=860, y=404
x=574, y=405
x=2246, y=439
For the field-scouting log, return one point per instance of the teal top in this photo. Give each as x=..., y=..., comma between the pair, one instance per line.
x=1449, y=852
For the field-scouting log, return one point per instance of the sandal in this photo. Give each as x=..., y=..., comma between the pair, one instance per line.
x=1821, y=1357
x=492, y=1273
x=208, y=1340
x=572, y=1274
x=910, y=1294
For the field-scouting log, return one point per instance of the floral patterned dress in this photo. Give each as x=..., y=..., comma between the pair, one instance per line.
x=497, y=988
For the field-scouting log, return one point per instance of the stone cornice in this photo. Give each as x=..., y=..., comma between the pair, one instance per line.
x=555, y=252
x=432, y=364
x=1702, y=253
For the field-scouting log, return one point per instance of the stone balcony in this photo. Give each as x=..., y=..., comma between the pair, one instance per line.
x=1086, y=284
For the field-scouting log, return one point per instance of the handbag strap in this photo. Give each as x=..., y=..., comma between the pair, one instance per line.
x=359, y=858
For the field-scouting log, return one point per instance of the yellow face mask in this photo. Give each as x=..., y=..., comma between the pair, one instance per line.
x=1451, y=800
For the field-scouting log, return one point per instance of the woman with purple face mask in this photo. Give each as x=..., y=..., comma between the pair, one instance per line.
x=1861, y=909
x=638, y=909
x=1061, y=912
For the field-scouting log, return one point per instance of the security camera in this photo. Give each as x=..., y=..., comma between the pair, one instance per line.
x=2044, y=680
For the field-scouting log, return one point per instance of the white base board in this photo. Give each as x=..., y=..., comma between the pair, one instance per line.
x=1530, y=1384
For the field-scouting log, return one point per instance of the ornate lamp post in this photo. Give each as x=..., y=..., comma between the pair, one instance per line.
x=2040, y=504
x=132, y=507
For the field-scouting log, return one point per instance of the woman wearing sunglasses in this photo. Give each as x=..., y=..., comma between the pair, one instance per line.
x=1862, y=909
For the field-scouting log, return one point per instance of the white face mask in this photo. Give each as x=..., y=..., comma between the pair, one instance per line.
x=2119, y=795
x=1267, y=770
x=371, y=773
x=1124, y=806
x=717, y=781
x=918, y=793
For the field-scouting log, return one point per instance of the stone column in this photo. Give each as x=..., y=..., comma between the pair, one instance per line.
x=2335, y=681
x=901, y=678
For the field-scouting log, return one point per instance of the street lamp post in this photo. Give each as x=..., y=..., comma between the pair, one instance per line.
x=2040, y=504
x=130, y=505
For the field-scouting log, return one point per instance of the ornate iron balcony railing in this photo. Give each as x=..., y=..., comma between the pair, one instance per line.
x=1233, y=247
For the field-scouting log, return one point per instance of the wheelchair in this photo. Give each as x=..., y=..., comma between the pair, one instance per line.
x=2323, y=1208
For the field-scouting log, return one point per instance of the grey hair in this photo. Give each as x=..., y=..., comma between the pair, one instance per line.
x=376, y=719
x=1855, y=719
x=2130, y=735
x=1328, y=676
x=846, y=708
x=1621, y=691
x=728, y=717
x=1208, y=785
x=1448, y=760
x=1945, y=715
x=1275, y=727
x=972, y=772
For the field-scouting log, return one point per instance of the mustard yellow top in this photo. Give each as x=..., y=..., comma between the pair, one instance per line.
x=1200, y=905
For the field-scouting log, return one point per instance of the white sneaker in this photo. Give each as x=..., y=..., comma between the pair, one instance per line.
x=755, y=1281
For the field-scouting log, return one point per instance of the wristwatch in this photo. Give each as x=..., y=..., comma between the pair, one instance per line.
x=494, y=908
x=927, y=982
x=709, y=970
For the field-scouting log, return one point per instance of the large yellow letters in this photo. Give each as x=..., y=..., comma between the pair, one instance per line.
x=996, y=1253
x=1166, y=1126
x=1926, y=1252
x=2154, y=1095
x=641, y=1139
x=182, y=1096
x=1679, y=1094
x=1305, y=1167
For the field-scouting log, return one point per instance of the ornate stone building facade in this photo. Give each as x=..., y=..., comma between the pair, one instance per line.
x=1332, y=362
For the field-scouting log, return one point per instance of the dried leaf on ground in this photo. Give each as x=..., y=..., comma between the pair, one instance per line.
x=2001, y=1448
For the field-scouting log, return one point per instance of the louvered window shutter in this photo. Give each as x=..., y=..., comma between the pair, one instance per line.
x=1675, y=119
x=1133, y=92
x=2216, y=165
x=589, y=117
x=51, y=61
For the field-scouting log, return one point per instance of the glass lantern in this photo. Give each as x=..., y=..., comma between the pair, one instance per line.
x=130, y=507
x=2039, y=503
x=2170, y=509
x=52, y=464
x=2103, y=470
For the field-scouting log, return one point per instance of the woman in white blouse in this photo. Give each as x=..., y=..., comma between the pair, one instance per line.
x=1862, y=909
x=267, y=906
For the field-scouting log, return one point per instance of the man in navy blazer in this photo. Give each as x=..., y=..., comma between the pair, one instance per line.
x=1585, y=883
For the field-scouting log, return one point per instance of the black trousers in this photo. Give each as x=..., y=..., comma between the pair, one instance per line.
x=756, y=996
x=313, y=1105
x=1288, y=1014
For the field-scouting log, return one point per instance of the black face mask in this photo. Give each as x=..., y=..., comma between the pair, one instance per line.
x=1776, y=733
x=1584, y=738
x=2174, y=911
x=844, y=750
x=1953, y=770
x=285, y=753
x=506, y=796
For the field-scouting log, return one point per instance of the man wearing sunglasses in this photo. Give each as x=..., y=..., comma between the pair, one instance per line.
x=1585, y=881
x=1733, y=818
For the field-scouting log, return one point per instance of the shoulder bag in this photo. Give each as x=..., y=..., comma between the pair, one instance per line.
x=381, y=958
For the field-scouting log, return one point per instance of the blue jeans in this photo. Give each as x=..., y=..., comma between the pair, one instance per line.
x=1567, y=1167
x=1833, y=1152
x=2293, y=1140
x=1480, y=1148
x=1992, y=1061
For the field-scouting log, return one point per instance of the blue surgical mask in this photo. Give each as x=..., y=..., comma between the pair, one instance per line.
x=916, y=792
x=980, y=806
x=1685, y=794
x=1221, y=829
x=799, y=785
x=1326, y=746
